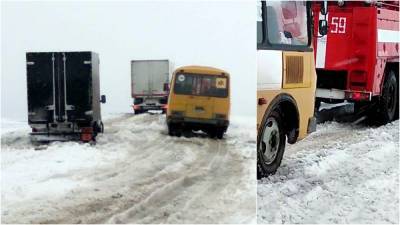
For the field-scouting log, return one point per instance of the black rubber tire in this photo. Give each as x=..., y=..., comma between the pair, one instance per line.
x=101, y=127
x=211, y=133
x=263, y=169
x=174, y=130
x=220, y=133
x=138, y=111
x=171, y=130
x=388, y=102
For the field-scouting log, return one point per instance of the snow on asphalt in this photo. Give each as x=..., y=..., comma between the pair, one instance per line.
x=135, y=173
x=339, y=174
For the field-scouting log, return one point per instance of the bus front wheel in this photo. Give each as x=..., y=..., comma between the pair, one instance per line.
x=271, y=144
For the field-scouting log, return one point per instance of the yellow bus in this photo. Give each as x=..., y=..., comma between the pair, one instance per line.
x=286, y=79
x=199, y=99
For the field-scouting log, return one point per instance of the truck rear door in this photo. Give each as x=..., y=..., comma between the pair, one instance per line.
x=149, y=77
x=40, y=86
x=159, y=74
x=78, y=84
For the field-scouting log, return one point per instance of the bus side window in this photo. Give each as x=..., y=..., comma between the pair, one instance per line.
x=260, y=25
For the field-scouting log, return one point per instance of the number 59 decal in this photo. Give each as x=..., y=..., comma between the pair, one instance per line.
x=338, y=25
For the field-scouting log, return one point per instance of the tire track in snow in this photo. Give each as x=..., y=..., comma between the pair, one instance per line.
x=160, y=178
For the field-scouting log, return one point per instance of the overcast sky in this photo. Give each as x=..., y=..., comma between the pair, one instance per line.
x=219, y=34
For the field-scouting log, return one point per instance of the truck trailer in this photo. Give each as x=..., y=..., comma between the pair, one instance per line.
x=149, y=85
x=357, y=56
x=64, y=96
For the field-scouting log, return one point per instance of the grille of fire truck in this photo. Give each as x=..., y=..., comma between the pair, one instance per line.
x=294, y=69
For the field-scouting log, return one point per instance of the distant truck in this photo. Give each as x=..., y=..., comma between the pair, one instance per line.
x=150, y=85
x=64, y=96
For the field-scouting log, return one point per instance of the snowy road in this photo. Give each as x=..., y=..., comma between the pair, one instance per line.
x=135, y=174
x=339, y=174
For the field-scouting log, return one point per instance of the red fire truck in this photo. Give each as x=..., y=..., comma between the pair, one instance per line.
x=357, y=55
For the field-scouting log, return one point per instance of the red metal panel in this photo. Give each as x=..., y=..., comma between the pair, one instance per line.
x=339, y=40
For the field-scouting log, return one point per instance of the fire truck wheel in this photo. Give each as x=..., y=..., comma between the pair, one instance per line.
x=270, y=145
x=389, y=100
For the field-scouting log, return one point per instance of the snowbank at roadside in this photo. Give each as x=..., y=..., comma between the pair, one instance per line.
x=339, y=174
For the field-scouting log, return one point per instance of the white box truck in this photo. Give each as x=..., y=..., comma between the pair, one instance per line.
x=150, y=85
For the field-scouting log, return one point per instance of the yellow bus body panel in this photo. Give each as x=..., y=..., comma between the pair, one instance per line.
x=303, y=94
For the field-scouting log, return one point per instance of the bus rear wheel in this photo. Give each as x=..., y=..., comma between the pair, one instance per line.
x=270, y=145
x=174, y=130
x=220, y=133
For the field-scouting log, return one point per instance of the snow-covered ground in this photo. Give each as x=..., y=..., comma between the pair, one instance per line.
x=339, y=174
x=136, y=173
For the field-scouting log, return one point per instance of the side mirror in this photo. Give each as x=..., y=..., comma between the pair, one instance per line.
x=323, y=27
x=324, y=8
x=103, y=99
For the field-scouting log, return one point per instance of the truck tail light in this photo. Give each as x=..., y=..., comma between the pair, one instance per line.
x=136, y=107
x=358, y=96
x=164, y=107
x=86, y=133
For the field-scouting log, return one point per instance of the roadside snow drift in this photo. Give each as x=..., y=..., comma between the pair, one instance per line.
x=135, y=173
x=339, y=174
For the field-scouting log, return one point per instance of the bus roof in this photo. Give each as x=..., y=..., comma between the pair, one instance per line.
x=201, y=70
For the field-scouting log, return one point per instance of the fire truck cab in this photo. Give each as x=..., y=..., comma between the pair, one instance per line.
x=357, y=55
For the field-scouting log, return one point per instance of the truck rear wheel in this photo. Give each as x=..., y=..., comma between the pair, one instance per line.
x=388, y=103
x=270, y=145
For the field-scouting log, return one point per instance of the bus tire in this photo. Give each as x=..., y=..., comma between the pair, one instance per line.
x=174, y=130
x=273, y=141
x=212, y=132
x=388, y=102
x=220, y=133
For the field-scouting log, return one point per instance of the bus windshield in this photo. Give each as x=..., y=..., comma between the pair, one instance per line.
x=201, y=85
x=286, y=22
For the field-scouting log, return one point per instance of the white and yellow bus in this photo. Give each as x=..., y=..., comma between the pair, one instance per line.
x=286, y=79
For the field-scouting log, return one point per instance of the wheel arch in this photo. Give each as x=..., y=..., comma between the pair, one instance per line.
x=290, y=115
